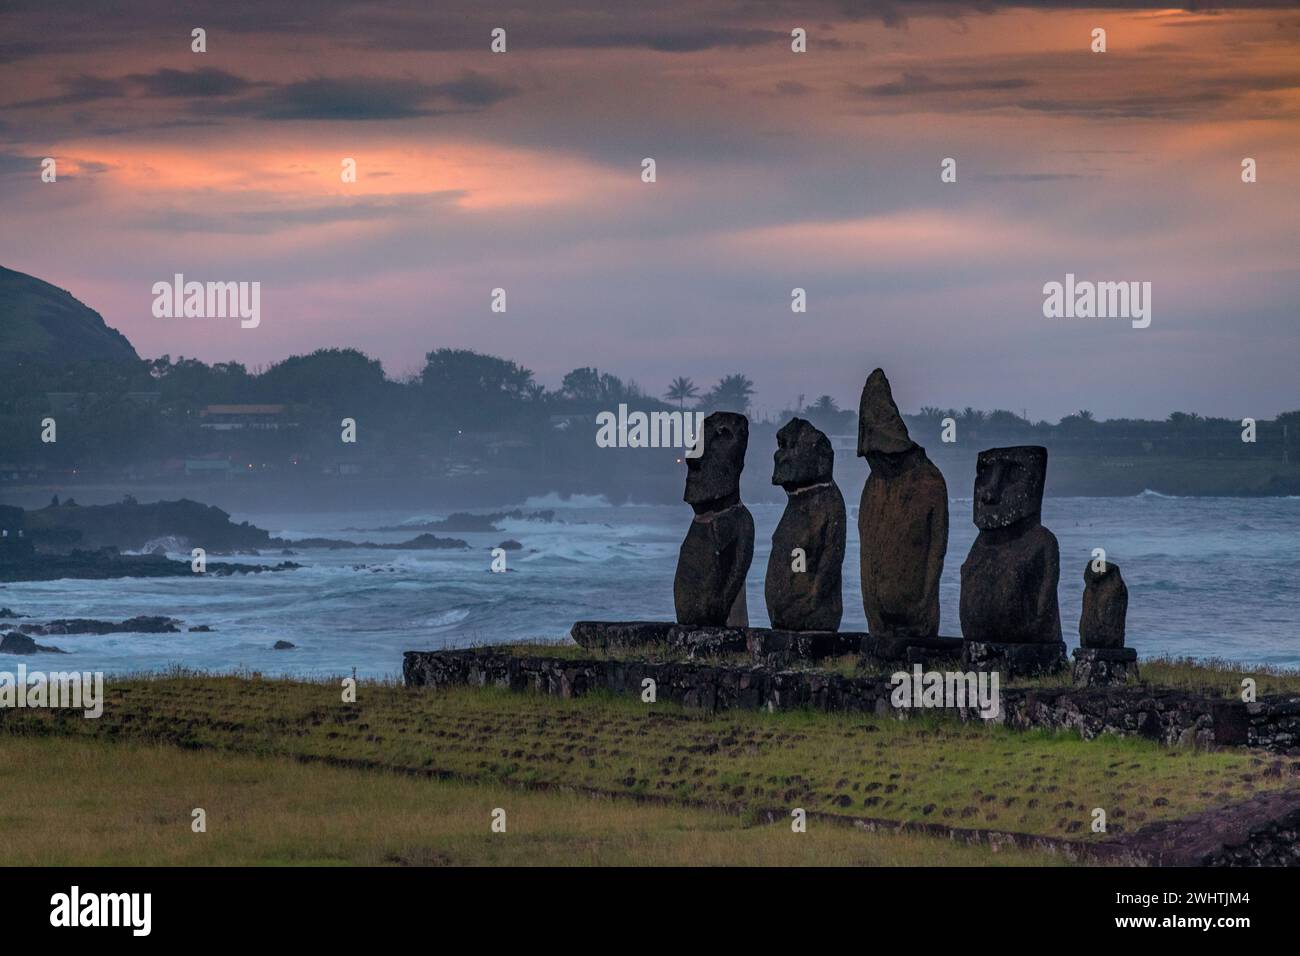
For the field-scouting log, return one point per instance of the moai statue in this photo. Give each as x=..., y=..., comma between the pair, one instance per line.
x=902, y=521
x=1105, y=607
x=805, y=568
x=709, y=588
x=1102, y=660
x=1009, y=579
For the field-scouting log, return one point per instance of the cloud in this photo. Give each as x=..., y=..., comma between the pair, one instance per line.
x=680, y=41
x=264, y=221
x=190, y=83
x=82, y=88
x=475, y=89
x=370, y=98
x=1188, y=100
x=1029, y=177
x=920, y=83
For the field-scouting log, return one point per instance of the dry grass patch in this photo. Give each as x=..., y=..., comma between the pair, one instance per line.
x=129, y=804
x=921, y=769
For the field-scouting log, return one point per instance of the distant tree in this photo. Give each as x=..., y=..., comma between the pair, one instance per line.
x=1006, y=419
x=1184, y=419
x=582, y=384
x=1081, y=421
x=461, y=388
x=733, y=393
x=828, y=416
x=591, y=387
x=327, y=379
x=680, y=390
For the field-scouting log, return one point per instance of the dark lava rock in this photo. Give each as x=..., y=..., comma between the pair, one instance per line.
x=15, y=643
x=421, y=542
x=620, y=634
x=1009, y=579
x=803, y=591
x=107, y=563
x=902, y=521
x=709, y=586
x=933, y=653
x=1030, y=659
x=780, y=649
x=426, y=542
x=283, y=646
x=510, y=545
x=1105, y=607
x=8, y=615
x=1104, y=666
x=201, y=629
x=131, y=525
x=144, y=624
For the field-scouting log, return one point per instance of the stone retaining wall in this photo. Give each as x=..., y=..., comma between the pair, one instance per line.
x=1172, y=717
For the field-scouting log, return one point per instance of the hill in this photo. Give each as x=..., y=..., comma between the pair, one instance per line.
x=42, y=323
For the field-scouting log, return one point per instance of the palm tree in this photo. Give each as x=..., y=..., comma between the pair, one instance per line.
x=680, y=390
x=824, y=404
x=732, y=393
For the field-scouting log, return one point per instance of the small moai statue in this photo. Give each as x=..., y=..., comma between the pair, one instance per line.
x=1009, y=579
x=804, y=571
x=709, y=587
x=1102, y=660
x=902, y=521
x=1105, y=607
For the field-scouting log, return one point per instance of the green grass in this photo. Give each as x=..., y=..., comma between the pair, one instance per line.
x=1217, y=677
x=128, y=804
x=922, y=769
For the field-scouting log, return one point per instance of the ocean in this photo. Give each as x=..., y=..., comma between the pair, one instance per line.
x=1207, y=577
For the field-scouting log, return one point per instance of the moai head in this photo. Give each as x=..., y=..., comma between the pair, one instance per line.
x=1009, y=485
x=715, y=473
x=803, y=456
x=881, y=429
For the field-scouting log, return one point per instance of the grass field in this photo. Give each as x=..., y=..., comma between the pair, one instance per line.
x=130, y=804
x=733, y=767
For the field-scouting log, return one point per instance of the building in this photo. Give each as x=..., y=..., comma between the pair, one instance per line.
x=225, y=418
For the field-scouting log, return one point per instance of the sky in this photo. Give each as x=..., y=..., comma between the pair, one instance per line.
x=775, y=170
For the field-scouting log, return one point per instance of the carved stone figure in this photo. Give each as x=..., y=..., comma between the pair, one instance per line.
x=1009, y=579
x=709, y=587
x=902, y=521
x=1105, y=607
x=803, y=586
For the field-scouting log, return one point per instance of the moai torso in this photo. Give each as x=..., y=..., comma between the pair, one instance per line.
x=1009, y=579
x=902, y=521
x=804, y=589
x=719, y=546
